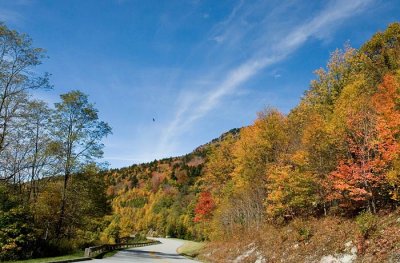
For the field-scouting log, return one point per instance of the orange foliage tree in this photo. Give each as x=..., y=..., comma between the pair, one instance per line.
x=371, y=131
x=204, y=208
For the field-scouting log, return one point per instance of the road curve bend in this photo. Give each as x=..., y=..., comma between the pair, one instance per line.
x=164, y=252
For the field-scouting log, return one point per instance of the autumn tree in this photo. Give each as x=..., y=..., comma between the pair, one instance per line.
x=291, y=192
x=204, y=208
x=325, y=90
x=77, y=134
x=259, y=145
x=381, y=54
x=219, y=166
x=386, y=102
x=370, y=127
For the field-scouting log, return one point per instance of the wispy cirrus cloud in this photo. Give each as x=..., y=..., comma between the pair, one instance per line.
x=274, y=40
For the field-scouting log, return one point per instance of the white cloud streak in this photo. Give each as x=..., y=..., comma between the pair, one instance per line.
x=191, y=108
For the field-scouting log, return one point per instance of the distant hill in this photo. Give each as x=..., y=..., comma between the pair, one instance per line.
x=234, y=132
x=161, y=194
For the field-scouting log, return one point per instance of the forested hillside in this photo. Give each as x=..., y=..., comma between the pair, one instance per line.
x=160, y=198
x=335, y=154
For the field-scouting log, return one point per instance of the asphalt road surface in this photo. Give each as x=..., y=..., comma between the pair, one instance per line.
x=164, y=252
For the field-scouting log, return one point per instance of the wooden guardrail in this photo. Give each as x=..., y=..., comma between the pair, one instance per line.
x=94, y=251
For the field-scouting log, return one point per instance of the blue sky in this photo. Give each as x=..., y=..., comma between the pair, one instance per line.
x=198, y=67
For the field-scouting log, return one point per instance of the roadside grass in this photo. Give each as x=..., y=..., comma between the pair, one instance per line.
x=190, y=248
x=76, y=255
x=107, y=254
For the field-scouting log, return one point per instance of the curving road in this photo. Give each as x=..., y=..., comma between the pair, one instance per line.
x=164, y=252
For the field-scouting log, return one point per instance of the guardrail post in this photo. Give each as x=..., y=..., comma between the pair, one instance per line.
x=87, y=252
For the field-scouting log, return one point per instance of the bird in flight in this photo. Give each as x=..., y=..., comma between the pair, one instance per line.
x=154, y=120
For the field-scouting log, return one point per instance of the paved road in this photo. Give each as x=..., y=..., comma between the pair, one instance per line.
x=164, y=252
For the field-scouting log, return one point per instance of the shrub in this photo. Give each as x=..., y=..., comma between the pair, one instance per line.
x=367, y=223
x=17, y=239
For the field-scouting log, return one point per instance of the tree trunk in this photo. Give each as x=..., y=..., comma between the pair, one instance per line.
x=62, y=207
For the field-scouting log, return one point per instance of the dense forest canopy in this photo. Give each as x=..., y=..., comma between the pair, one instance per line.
x=335, y=153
